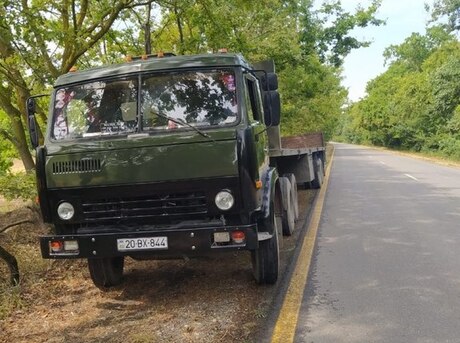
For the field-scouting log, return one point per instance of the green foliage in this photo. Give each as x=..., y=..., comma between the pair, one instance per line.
x=446, y=87
x=7, y=152
x=415, y=104
x=18, y=186
x=449, y=145
x=327, y=31
x=312, y=99
x=449, y=9
x=6, y=155
x=416, y=49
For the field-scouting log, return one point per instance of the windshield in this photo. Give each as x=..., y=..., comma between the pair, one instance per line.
x=169, y=101
x=197, y=98
x=96, y=108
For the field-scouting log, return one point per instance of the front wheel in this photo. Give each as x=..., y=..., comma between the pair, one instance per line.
x=106, y=272
x=265, y=260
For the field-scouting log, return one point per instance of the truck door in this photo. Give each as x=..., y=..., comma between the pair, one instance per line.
x=254, y=106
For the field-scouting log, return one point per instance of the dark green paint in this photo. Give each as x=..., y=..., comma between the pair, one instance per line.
x=150, y=163
x=114, y=142
x=153, y=64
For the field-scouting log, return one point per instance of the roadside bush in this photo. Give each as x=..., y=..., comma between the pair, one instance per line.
x=450, y=147
x=7, y=154
x=18, y=186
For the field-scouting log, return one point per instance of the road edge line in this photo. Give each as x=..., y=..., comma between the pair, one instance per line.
x=286, y=324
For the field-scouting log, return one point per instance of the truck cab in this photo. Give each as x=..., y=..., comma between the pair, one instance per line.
x=160, y=157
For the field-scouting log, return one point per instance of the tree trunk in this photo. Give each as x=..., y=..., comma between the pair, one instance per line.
x=20, y=142
x=18, y=136
x=147, y=33
x=179, y=27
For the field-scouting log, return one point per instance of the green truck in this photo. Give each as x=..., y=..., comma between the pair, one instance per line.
x=168, y=156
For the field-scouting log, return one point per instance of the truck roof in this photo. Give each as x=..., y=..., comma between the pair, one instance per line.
x=153, y=64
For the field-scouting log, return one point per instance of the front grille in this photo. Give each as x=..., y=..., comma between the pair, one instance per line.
x=157, y=209
x=79, y=166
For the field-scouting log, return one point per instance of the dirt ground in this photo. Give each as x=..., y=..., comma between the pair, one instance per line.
x=200, y=300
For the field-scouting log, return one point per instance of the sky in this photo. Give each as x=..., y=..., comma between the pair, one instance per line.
x=362, y=65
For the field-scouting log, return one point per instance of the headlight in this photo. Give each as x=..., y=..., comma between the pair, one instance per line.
x=224, y=200
x=65, y=211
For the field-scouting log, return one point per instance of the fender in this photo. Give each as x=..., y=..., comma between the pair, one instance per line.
x=248, y=168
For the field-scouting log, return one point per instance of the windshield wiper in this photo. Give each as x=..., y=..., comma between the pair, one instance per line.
x=183, y=122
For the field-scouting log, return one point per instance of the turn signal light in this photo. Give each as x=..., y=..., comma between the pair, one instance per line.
x=56, y=246
x=64, y=247
x=238, y=237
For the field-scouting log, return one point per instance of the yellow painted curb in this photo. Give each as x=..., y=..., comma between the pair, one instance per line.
x=286, y=323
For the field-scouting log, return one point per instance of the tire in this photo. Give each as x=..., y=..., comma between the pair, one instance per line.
x=319, y=173
x=288, y=218
x=294, y=194
x=265, y=259
x=106, y=272
x=322, y=165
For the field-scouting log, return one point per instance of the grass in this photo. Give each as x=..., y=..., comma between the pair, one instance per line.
x=21, y=242
x=10, y=299
x=431, y=156
x=142, y=337
x=32, y=269
x=8, y=206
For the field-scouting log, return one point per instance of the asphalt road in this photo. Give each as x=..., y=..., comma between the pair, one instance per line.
x=386, y=267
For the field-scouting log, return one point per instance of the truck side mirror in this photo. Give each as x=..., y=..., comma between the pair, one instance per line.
x=32, y=122
x=272, y=108
x=269, y=82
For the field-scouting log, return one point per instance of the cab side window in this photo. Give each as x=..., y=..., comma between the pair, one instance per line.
x=253, y=100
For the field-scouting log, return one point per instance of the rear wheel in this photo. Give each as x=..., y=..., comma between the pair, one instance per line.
x=288, y=218
x=106, y=272
x=265, y=259
x=294, y=194
x=319, y=172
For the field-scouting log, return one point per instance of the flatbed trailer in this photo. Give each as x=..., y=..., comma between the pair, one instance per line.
x=303, y=155
x=300, y=161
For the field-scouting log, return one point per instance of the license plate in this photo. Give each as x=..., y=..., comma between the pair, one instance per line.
x=221, y=237
x=142, y=243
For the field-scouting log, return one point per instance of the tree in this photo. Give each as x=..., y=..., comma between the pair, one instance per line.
x=449, y=9
x=327, y=30
x=416, y=48
x=312, y=97
x=415, y=103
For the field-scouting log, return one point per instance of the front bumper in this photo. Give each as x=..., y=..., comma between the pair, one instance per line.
x=181, y=243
